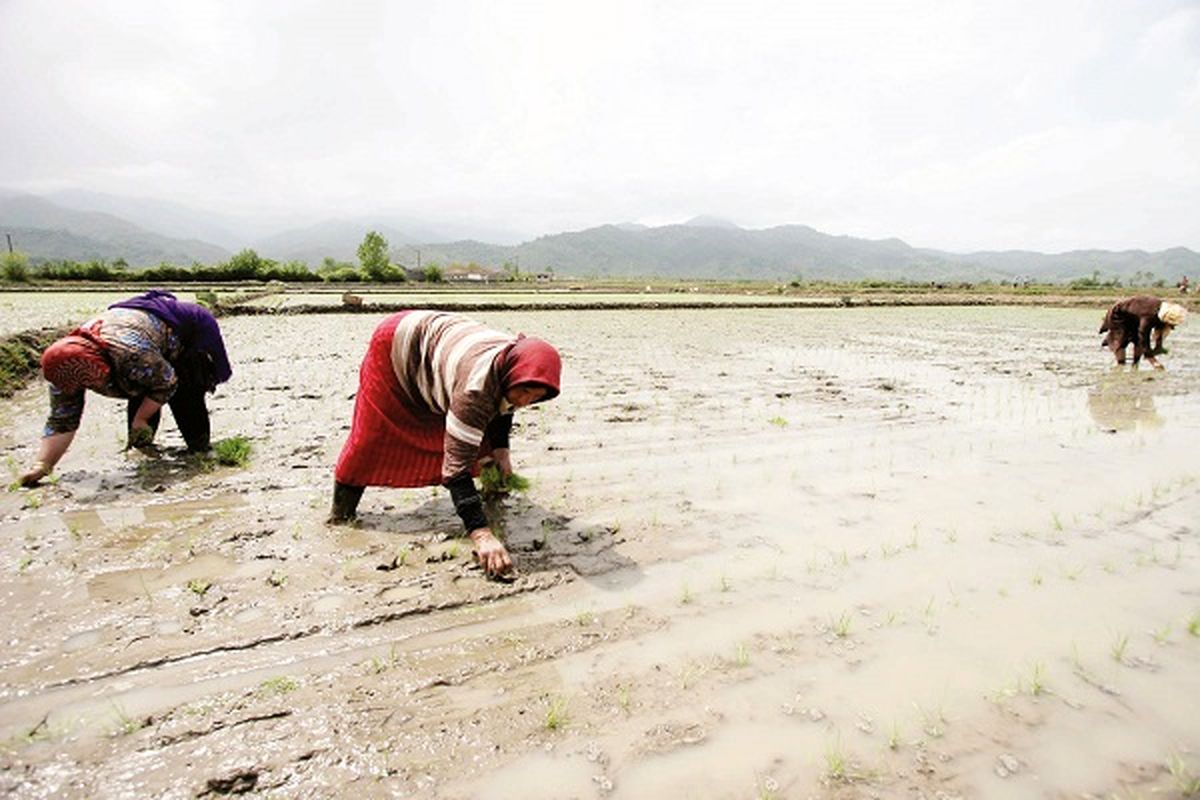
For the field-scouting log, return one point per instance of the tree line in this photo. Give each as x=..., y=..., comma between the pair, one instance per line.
x=374, y=266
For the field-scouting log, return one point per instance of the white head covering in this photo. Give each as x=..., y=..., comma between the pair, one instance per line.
x=1172, y=313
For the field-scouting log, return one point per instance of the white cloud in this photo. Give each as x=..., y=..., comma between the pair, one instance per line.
x=1043, y=125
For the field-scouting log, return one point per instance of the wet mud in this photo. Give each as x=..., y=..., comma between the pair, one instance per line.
x=772, y=553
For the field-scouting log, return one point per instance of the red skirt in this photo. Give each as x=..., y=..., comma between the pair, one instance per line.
x=391, y=443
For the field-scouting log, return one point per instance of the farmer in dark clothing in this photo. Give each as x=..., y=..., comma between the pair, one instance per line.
x=151, y=350
x=1134, y=321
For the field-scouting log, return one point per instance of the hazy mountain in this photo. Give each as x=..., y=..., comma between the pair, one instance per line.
x=791, y=251
x=1167, y=264
x=166, y=218
x=702, y=247
x=338, y=239
x=45, y=230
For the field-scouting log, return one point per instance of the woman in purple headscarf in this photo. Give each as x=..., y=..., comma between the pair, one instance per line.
x=151, y=350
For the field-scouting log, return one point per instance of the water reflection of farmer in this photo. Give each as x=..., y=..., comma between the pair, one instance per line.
x=1134, y=321
x=151, y=350
x=1123, y=400
x=436, y=393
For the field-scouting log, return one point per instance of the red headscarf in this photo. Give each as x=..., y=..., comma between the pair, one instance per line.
x=531, y=361
x=74, y=363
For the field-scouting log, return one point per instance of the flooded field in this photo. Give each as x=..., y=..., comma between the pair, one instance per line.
x=767, y=553
x=502, y=299
x=28, y=310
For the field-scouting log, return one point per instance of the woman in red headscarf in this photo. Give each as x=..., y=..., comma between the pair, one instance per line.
x=436, y=393
x=152, y=350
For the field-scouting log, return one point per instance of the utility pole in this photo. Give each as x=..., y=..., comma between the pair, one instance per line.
x=9, y=237
x=418, y=258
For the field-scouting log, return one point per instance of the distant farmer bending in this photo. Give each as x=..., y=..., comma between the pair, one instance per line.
x=1134, y=321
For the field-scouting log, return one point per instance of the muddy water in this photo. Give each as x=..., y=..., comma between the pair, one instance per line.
x=861, y=552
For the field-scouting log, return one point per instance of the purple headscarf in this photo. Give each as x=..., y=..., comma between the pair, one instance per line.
x=194, y=324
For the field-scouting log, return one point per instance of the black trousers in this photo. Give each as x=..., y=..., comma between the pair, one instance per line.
x=187, y=406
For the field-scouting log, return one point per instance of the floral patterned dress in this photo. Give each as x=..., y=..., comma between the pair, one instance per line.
x=140, y=347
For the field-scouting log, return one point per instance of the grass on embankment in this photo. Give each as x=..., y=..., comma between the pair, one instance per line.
x=20, y=357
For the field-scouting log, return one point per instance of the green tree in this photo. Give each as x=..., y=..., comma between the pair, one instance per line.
x=512, y=270
x=373, y=255
x=434, y=274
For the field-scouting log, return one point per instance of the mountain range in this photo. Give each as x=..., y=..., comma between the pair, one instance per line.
x=83, y=226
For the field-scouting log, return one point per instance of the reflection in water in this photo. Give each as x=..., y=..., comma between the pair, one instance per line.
x=1123, y=400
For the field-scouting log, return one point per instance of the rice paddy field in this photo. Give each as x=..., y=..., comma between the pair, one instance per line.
x=916, y=552
x=26, y=310
x=292, y=300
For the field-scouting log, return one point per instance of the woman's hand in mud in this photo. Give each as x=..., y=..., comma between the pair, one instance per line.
x=140, y=436
x=35, y=475
x=503, y=458
x=490, y=552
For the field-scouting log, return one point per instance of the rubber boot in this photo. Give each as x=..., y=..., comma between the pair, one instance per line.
x=345, y=502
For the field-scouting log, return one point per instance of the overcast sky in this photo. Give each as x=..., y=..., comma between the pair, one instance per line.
x=1047, y=125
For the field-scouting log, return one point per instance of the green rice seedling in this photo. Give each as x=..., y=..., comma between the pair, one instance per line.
x=1187, y=783
x=277, y=578
x=1056, y=522
x=1037, y=579
x=952, y=537
x=281, y=684
x=454, y=550
x=556, y=713
x=125, y=723
x=24, y=563
x=584, y=618
x=232, y=452
x=741, y=657
x=914, y=543
x=1073, y=574
x=685, y=595
x=840, y=625
x=724, y=584
x=493, y=483
x=1037, y=679
x=33, y=501
x=198, y=586
x=835, y=762
x=1118, y=647
x=1193, y=624
x=778, y=422
x=623, y=698
x=1162, y=635
x=894, y=740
